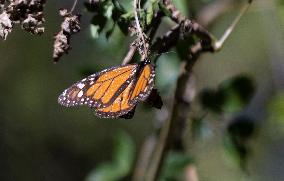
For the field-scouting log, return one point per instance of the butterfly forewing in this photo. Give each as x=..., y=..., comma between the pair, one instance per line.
x=98, y=90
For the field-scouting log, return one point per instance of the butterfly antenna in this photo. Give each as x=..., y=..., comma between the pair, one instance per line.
x=157, y=55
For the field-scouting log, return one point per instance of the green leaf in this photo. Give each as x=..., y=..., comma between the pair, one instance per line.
x=200, y=128
x=94, y=30
x=120, y=166
x=230, y=97
x=118, y=16
x=126, y=5
x=239, y=91
x=237, y=140
x=165, y=10
x=128, y=16
x=124, y=152
x=230, y=150
x=118, y=6
x=182, y=47
x=123, y=25
x=108, y=10
x=99, y=20
x=153, y=5
x=212, y=100
x=110, y=31
x=181, y=6
x=276, y=110
x=174, y=166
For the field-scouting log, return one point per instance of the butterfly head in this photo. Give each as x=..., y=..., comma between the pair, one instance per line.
x=146, y=61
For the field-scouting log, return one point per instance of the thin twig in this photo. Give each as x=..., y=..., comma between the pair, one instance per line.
x=140, y=32
x=220, y=42
x=179, y=112
x=176, y=16
x=73, y=6
x=164, y=43
x=127, y=59
x=151, y=30
x=144, y=158
x=191, y=173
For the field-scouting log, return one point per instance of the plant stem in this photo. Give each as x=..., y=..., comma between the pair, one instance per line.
x=218, y=45
x=73, y=6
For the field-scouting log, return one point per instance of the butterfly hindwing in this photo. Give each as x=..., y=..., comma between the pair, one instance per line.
x=120, y=105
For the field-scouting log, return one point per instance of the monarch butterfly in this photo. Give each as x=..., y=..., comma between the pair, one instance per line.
x=113, y=92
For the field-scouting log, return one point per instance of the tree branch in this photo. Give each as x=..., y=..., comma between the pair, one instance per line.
x=127, y=59
x=184, y=94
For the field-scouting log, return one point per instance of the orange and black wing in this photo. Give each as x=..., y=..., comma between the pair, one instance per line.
x=143, y=85
x=138, y=90
x=119, y=107
x=99, y=90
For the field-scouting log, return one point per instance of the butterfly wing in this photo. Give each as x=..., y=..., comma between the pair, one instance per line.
x=138, y=90
x=119, y=107
x=144, y=84
x=100, y=89
x=112, y=92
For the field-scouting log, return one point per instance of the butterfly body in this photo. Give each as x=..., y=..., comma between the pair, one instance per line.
x=112, y=92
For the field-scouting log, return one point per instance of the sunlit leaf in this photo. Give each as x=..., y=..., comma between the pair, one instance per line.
x=108, y=10
x=94, y=30
x=150, y=11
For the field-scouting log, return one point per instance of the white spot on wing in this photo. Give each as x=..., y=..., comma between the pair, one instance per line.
x=80, y=85
x=80, y=93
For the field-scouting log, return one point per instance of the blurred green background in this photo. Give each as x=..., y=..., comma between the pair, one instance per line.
x=40, y=140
